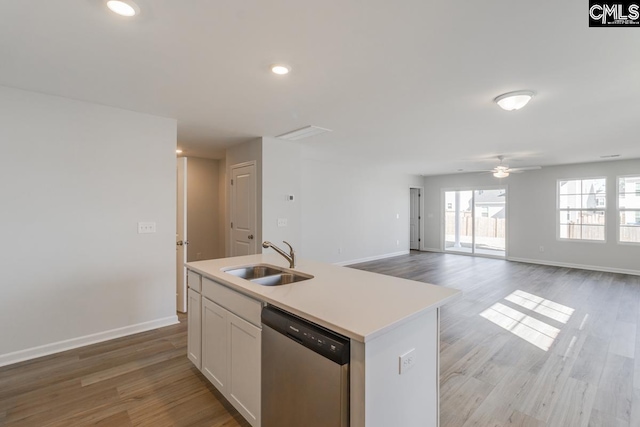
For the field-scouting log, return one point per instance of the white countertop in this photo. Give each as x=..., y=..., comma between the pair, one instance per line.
x=355, y=303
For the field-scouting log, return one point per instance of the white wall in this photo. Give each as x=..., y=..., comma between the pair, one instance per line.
x=531, y=220
x=203, y=216
x=75, y=180
x=350, y=208
x=281, y=177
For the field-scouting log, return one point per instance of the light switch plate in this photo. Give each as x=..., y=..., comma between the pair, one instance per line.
x=146, y=227
x=283, y=222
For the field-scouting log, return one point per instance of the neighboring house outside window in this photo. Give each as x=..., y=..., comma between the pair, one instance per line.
x=629, y=209
x=581, y=209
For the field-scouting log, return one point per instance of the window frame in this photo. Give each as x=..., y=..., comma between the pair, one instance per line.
x=619, y=210
x=560, y=209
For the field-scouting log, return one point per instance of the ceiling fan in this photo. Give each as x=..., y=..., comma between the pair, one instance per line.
x=503, y=171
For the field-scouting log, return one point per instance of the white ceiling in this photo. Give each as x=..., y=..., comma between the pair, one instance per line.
x=407, y=82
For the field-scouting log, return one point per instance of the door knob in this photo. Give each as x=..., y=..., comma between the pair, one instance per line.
x=250, y=237
x=179, y=243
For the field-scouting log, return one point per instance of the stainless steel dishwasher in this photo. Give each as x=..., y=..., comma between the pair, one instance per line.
x=305, y=373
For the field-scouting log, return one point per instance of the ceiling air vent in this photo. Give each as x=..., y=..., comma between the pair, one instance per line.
x=304, y=132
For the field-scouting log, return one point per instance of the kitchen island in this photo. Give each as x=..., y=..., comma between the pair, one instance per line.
x=385, y=318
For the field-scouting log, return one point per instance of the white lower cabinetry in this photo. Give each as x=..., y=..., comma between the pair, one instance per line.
x=215, y=344
x=231, y=348
x=244, y=367
x=194, y=330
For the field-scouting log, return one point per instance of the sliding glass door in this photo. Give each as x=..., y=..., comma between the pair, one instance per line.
x=475, y=221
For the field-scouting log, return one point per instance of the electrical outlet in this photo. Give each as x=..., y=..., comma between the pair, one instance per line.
x=541, y=248
x=407, y=361
x=282, y=222
x=146, y=227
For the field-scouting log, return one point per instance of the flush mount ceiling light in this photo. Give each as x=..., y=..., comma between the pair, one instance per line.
x=178, y=151
x=123, y=7
x=280, y=69
x=514, y=100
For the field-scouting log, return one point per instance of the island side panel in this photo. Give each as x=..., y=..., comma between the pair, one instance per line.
x=357, y=385
x=409, y=399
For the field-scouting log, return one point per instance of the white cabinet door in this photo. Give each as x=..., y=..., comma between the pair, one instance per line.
x=244, y=368
x=194, y=328
x=214, y=344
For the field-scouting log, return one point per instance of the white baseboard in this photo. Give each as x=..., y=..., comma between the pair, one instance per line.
x=57, y=347
x=430, y=250
x=578, y=266
x=371, y=258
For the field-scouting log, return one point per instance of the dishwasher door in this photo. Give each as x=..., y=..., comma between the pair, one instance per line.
x=300, y=386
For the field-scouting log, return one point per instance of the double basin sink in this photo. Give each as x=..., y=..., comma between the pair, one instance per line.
x=268, y=275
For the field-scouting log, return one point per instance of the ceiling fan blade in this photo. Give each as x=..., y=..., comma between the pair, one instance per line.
x=528, y=168
x=475, y=171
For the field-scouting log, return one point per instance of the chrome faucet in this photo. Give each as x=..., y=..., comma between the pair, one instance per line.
x=291, y=257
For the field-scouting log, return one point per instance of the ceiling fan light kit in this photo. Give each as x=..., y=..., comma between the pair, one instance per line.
x=503, y=171
x=513, y=101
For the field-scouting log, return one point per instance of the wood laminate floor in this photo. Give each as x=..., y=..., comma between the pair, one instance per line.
x=139, y=380
x=532, y=345
x=527, y=345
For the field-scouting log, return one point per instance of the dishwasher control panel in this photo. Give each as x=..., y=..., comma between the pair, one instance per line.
x=323, y=341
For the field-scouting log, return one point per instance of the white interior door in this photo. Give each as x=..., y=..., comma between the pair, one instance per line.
x=181, y=236
x=243, y=209
x=414, y=219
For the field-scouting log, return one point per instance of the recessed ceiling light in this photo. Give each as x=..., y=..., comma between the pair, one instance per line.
x=514, y=100
x=123, y=7
x=280, y=69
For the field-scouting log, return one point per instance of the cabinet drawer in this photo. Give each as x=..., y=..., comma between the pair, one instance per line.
x=241, y=305
x=193, y=281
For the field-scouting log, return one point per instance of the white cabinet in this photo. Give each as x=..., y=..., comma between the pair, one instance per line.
x=194, y=327
x=244, y=367
x=231, y=346
x=215, y=344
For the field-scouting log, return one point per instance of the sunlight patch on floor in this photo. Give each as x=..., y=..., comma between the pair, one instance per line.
x=526, y=327
x=540, y=305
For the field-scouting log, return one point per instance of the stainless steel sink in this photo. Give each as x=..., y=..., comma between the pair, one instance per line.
x=281, y=279
x=268, y=275
x=255, y=271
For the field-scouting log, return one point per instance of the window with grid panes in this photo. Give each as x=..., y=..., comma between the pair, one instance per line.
x=581, y=209
x=629, y=209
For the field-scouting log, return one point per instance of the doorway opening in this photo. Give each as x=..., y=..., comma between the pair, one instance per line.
x=475, y=221
x=415, y=217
